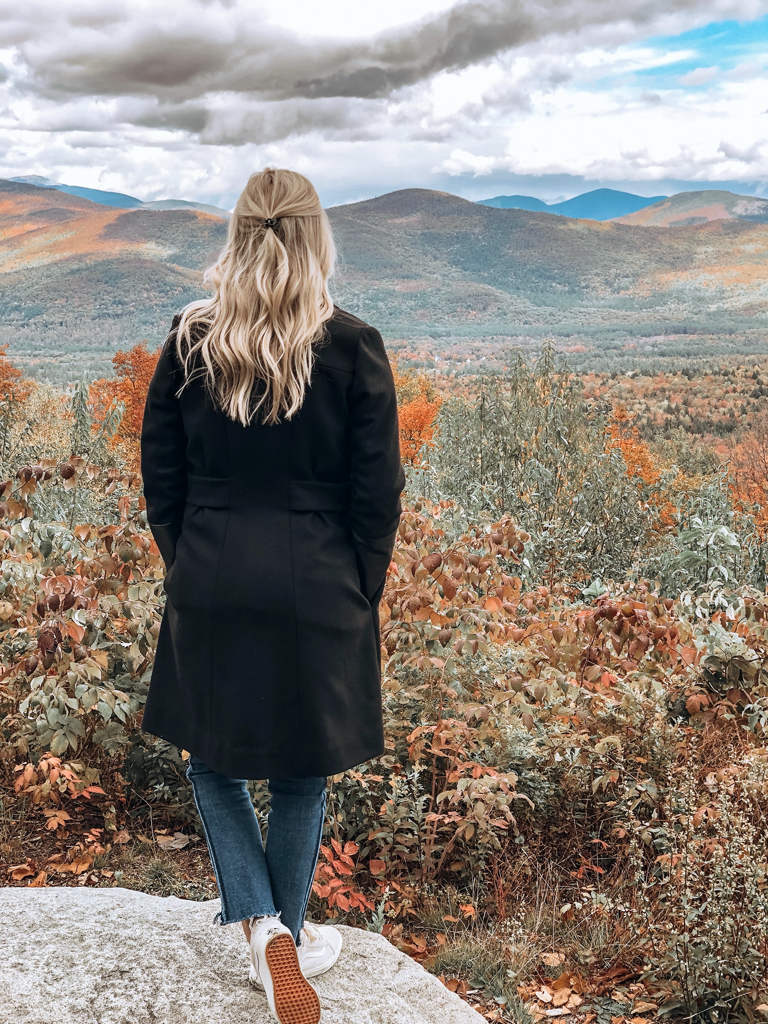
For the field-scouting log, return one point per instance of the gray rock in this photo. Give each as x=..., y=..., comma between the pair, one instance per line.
x=115, y=956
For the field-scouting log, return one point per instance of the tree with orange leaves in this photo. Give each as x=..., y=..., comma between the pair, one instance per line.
x=635, y=451
x=133, y=372
x=639, y=462
x=417, y=428
x=15, y=389
x=418, y=405
x=749, y=466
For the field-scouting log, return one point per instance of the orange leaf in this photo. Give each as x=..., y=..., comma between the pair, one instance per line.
x=75, y=630
x=56, y=818
x=20, y=871
x=101, y=658
x=696, y=702
x=376, y=867
x=688, y=654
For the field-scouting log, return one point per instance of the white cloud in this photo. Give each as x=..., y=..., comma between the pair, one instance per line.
x=460, y=161
x=700, y=76
x=750, y=154
x=186, y=97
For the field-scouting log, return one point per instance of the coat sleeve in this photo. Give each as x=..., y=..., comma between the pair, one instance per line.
x=376, y=467
x=163, y=451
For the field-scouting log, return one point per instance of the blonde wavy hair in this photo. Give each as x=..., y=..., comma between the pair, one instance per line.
x=253, y=340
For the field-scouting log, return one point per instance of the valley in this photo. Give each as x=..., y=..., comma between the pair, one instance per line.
x=453, y=285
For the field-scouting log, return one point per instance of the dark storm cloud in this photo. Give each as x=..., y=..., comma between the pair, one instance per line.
x=222, y=72
x=195, y=48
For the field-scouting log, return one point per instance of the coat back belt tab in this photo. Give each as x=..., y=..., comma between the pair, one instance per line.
x=286, y=495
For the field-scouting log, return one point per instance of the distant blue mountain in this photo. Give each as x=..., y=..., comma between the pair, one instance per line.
x=600, y=204
x=96, y=195
x=516, y=203
x=118, y=199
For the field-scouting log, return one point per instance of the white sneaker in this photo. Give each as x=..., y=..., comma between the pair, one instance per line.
x=319, y=950
x=291, y=998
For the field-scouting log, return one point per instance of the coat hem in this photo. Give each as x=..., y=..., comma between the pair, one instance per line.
x=259, y=768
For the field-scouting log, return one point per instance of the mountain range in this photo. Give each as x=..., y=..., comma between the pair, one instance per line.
x=449, y=282
x=600, y=204
x=120, y=199
x=684, y=208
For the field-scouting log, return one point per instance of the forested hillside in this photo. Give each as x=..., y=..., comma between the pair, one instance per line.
x=79, y=280
x=446, y=280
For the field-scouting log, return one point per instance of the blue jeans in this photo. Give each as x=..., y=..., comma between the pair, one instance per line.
x=255, y=879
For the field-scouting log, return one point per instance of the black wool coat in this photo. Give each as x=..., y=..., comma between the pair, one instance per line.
x=278, y=539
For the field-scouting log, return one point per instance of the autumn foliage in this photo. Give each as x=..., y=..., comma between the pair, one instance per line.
x=13, y=386
x=641, y=465
x=418, y=406
x=133, y=373
x=749, y=472
x=554, y=751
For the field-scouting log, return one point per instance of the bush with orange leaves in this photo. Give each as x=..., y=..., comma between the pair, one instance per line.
x=14, y=387
x=749, y=474
x=640, y=465
x=418, y=406
x=133, y=372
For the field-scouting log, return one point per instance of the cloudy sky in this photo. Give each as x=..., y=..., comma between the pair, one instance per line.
x=185, y=98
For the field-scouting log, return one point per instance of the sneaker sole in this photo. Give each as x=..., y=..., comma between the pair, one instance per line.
x=296, y=1002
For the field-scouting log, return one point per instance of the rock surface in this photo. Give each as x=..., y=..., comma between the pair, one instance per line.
x=115, y=956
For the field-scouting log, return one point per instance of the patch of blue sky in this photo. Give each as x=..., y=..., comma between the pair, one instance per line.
x=695, y=59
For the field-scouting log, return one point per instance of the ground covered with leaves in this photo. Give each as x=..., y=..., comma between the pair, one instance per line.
x=569, y=819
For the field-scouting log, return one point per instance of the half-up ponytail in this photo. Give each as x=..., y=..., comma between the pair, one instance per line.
x=253, y=340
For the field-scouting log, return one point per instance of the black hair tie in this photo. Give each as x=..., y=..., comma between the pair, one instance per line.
x=270, y=222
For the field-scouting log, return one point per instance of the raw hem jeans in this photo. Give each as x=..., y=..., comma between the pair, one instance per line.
x=256, y=879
